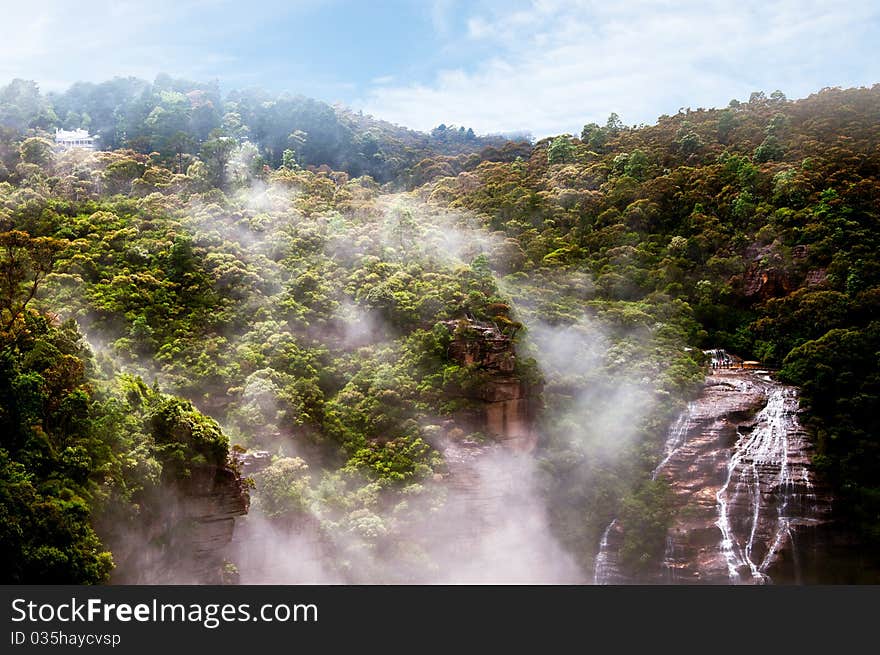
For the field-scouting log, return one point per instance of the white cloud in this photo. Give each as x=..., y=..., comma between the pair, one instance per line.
x=478, y=28
x=544, y=66
x=556, y=65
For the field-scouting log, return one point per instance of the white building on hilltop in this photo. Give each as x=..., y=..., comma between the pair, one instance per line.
x=67, y=139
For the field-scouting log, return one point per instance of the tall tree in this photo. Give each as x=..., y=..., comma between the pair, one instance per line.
x=25, y=261
x=561, y=150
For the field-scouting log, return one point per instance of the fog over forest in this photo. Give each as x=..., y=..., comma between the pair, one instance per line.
x=252, y=337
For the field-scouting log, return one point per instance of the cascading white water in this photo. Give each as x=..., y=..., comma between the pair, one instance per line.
x=759, y=471
x=677, y=436
x=605, y=567
x=758, y=492
x=669, y=561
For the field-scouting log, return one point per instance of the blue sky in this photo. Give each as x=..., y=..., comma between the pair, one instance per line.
x=543, y=66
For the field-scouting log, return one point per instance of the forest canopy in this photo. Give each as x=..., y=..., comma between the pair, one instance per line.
x=276, y=273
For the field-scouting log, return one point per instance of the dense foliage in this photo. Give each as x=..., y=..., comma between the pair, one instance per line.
x=240, y=252
x=77, y=455
x=184, y=122
x=760, y=217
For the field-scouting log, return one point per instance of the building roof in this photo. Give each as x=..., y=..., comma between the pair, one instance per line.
x=72, y=135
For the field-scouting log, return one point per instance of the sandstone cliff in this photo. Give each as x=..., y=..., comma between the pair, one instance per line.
x=505, y=404
x=183, y=536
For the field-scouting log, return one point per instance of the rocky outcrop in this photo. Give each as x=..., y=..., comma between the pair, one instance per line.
x=742, y=482
x=767, y=277
x=210, y=501
x=761, y=281
x=767, y=273
x=480, y=344
x=748, y=505
x=250, y=462
x=184, y=536
x=506, y=404
x=509, y=412
x=815, y=278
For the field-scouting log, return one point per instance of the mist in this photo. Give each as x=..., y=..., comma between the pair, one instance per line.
x=489, y=515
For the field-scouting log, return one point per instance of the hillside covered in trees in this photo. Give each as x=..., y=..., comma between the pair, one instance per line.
x=182, y=121
x=278, y=274
x=761, y=217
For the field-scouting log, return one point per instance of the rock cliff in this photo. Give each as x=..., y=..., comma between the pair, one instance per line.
x=748, y=506
x=183, y=538
x=505, y=404
x=743, y=485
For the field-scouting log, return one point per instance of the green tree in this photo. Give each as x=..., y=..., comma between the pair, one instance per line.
x=215, y=154
x=614, y=125
x=24, y=262
x=561, y=150
x=636, y=165
x=769, y=150
x=37, y=151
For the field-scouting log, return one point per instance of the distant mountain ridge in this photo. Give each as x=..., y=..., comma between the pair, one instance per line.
x=177, y=118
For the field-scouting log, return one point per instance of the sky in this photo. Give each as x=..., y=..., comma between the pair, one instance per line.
x=539, y=66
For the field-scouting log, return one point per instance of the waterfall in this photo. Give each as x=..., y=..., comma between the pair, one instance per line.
x=743, y=490
x=605, y=568
x=670, y=560
x=760, y=478
x=677, y=436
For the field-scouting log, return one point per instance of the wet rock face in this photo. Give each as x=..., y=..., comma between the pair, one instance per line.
x=816, y=277
x=212, y=498
x=509, y=412
x=185, y=540
x=743, y=484
x=767, y=274
x=510, y=421
x=748, y=506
